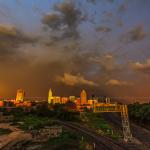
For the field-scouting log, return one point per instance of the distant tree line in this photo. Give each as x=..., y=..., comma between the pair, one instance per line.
x=140, y=112
x=65, y=112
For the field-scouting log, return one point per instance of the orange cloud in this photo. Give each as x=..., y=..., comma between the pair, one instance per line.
x=114, y=82
x=142, y=66
x=72, y=80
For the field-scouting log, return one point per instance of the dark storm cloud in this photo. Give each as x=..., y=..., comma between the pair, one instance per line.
x=120, y=23
x=66, y=58
x=65, y=19
x=78, y=63
x=108, y=14
x=110, y=73
x=92, y=1
x=103, y=29
x=95, y=1
x=70, y=14
x=135, y=34
x=54, y=21
x=11, y=39
x=111, y=1
x=107, y=63
x=122, y=8
x=61, y=74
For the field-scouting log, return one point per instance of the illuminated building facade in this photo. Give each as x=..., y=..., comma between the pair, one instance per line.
x=56, y=100
x=64, y=100
x=50, y=97
x=53, y=99
x=72, y=98
x=1, y=103
x=91, y=102
x=20, y=95
x=83, y=97
x=78, y=101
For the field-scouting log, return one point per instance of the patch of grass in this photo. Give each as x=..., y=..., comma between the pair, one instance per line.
x=97, y=122
x=4, y=131
x=34, y=122
x=67, y=141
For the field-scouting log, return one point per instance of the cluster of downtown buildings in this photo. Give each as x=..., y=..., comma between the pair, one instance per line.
x=80, y=102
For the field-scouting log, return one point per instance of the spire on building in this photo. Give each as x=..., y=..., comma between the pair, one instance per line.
x=20, y=95
x=83, y=97
x=50, y=96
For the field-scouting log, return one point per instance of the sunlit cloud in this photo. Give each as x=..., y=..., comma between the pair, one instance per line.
x=114, y=82
x=103, y=29
x=73, y=80
x=142, y=67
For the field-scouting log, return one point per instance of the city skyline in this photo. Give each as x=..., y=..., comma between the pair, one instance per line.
x=75, y=74
x=83, y=96
x=101, y=46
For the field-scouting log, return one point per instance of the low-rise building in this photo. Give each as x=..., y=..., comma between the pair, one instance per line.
x=64, y=100
x=92, y=102
x=45, y=133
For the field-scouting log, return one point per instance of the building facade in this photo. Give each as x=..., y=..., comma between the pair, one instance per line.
x=50, y=97
x=20, y=95
x=83, y=97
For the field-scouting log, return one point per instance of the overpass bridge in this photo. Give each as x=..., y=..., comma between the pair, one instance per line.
x=114, y=107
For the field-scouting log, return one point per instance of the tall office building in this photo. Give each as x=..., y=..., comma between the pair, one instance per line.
x=83, y=97
x=50, y=96
x=20, y=95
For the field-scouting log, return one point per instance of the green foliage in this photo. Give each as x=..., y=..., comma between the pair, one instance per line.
x=62, y=112
x=67, y=141
x=34, y=122
x=42, y=111
x=37, y=117
x=139, y=111
x=97, y=122
x=17, y=112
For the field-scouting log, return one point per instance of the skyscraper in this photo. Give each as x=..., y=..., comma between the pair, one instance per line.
x=50, y=96
x=83, y=97
x=20, y=95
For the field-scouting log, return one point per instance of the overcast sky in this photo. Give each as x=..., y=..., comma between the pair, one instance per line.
x=99, y=45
